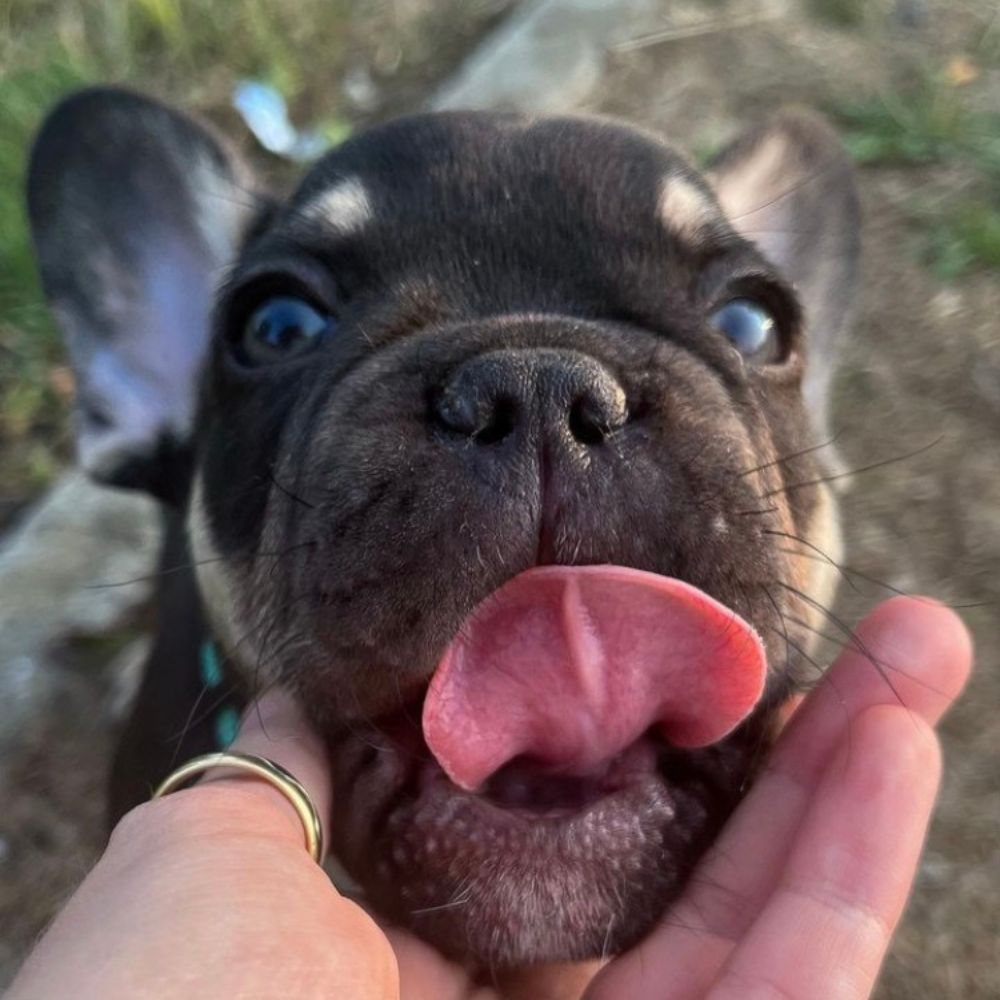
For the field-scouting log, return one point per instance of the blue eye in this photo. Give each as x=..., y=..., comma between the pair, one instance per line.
x=750, y=327
x=282, y=328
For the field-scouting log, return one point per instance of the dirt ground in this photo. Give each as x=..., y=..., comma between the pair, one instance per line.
x=922, y=367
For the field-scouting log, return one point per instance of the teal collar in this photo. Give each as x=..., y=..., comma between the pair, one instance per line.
x=226, y=722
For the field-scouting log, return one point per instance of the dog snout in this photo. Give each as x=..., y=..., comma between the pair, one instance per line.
x=541, y=393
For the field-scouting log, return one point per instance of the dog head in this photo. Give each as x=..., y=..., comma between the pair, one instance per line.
x=467, y=346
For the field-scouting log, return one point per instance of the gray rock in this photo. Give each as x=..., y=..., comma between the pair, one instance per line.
x=54, y=568
x=547, y=57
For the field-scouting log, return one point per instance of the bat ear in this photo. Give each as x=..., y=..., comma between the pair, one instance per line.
x=136, y=211
x=789, y=186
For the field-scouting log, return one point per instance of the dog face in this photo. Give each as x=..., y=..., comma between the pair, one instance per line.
x=468, y=345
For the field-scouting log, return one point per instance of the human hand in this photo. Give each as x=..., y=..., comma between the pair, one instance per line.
x=210, y=892
x=800, y=895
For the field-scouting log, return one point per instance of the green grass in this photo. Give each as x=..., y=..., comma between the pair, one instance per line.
x=842, y=13
x=31, y=411
x=966, y=239
x=930, y=122
x=929, y=118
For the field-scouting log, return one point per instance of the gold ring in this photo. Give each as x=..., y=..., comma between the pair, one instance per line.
x=274, y=774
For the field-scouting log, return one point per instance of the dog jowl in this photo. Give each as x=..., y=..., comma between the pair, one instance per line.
x=495, y=443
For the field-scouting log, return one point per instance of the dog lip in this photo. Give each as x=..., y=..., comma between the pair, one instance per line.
x=528, y=790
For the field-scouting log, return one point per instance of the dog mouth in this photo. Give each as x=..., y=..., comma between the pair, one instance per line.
x=525, y=790
x=530, y=790
x=570, y=753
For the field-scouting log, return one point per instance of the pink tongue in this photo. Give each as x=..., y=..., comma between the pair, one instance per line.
x=570, y=665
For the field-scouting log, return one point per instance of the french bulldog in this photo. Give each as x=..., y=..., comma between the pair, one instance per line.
x=499, y=443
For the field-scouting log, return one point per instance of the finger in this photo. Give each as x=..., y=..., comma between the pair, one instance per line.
x=276, y=728
x=827, y=926
x=925, y=650
x=566, y=981
x=425, y=974
x=910, y=651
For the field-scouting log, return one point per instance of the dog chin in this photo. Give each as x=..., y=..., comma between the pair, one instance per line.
x=534, y=867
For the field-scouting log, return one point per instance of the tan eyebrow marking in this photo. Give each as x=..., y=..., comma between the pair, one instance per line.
x=684, y=209
x=346, y=207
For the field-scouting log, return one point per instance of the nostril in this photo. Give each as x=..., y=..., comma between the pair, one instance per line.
x=585, y=423
x=592, y=420
x=501, y=422
x=637, y=410
x=485, y=420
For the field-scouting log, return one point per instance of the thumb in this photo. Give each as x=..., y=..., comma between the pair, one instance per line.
x=275, y=727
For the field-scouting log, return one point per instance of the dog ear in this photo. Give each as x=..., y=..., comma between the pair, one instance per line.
x=136, y=210
x=789, y=187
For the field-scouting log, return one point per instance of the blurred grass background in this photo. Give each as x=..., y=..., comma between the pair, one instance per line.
x=930, y=121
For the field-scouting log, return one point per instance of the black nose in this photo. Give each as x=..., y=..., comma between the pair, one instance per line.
x=539, y=391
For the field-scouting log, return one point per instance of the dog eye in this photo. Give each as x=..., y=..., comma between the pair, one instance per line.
x=750, y=327
x=282, y=328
